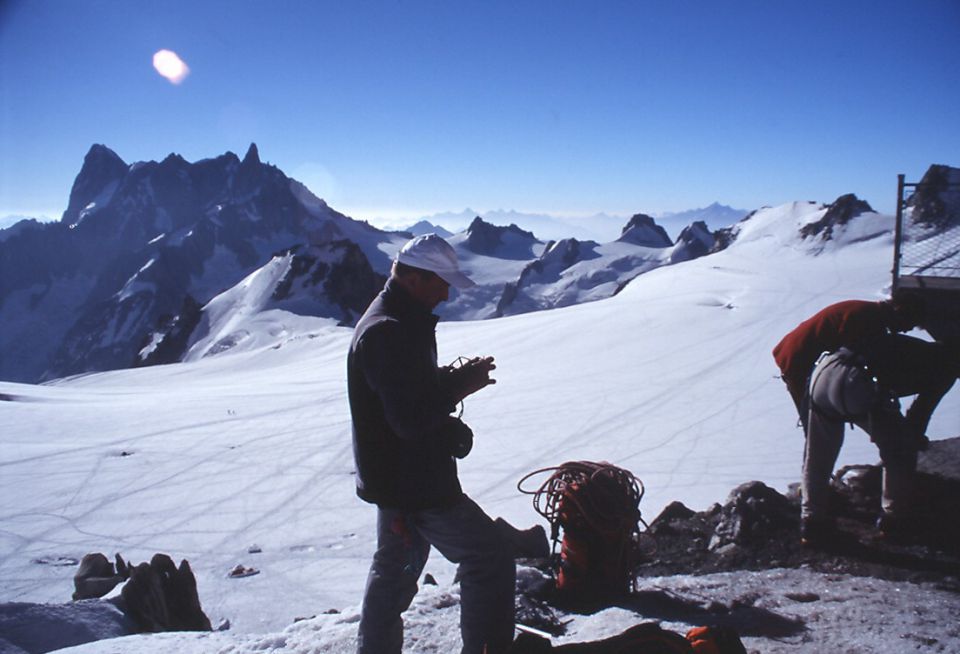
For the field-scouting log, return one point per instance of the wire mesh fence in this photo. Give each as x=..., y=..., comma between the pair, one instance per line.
x=928, y=253
x=928, y=235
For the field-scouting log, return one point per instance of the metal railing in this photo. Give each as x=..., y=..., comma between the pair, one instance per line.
x=926, y=252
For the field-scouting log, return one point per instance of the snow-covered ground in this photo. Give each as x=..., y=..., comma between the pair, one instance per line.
x=672, y=379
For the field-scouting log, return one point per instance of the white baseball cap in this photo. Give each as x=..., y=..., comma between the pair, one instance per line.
x=430, y=252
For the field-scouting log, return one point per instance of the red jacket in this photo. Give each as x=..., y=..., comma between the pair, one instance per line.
x=856, y=324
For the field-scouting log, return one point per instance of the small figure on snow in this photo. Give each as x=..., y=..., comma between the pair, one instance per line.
x=405, y=444
x=849, y=363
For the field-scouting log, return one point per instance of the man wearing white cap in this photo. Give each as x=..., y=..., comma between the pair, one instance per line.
x=405, y=445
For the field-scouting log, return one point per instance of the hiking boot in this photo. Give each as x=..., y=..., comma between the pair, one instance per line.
x=817, y=532
x=896, y=528
x=527, y=543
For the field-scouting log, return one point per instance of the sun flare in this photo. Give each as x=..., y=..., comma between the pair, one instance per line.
x=170, y=66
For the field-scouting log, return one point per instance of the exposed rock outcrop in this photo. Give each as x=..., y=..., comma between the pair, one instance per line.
x=758, y=528
x=643, y=230
x=506, y=242
x=936, y=200
x=694, y=241
x=842, y=211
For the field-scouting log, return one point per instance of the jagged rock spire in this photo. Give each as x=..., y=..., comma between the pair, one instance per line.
x=253, y=155
x=101, y=166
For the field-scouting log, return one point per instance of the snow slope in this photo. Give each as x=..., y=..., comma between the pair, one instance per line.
x=672, y=379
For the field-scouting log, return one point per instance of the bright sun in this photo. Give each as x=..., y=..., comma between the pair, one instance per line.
x=170, y=65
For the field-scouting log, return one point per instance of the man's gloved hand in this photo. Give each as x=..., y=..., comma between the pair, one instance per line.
x=458, y=437
x=468, y=378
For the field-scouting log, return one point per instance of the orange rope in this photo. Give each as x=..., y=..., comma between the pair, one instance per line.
x=604, y=497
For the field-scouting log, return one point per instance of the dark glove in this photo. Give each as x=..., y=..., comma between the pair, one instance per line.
x=468, y=377
x=458, y=438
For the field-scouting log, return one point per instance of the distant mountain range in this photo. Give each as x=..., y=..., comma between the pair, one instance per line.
x=715, y=216
x=156, y=261
x=599, y=227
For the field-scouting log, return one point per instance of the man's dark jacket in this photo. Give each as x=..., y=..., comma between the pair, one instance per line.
x=399, y=409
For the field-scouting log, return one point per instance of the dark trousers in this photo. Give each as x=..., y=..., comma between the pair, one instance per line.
x=927, y=370
x=465, y=535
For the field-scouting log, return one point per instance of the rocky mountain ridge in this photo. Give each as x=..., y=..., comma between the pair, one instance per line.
x=124, y=278
x=141, y=245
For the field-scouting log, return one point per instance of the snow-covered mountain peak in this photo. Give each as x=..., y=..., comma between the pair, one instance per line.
x=509, y=242
x=143, y=247
x=838, y=214
x=566, y=252
x=696, y=231
x=781, y=223
x=808, y=227
x=334, y=280
x=643, y=230
x=694, y=241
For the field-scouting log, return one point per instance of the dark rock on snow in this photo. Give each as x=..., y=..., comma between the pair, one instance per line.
x=936, y=200
x=160, y=596
x=507, y=242
x=696, y=240
x=752, y=510
x=844, y=208
x=758, y=528
x=97, y=576
x=643, y=230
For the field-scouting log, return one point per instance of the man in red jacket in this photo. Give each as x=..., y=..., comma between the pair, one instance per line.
x=869, y=367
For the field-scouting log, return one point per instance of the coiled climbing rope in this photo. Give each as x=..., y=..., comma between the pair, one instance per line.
x=585, y=497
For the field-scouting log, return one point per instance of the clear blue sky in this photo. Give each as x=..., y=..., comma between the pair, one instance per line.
x=406, y=108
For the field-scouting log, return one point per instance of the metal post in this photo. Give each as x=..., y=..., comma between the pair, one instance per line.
x=898, y=234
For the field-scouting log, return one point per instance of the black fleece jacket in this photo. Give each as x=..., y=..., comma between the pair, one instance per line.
x=399, y=408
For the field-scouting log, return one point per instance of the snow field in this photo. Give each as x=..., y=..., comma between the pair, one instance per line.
x=671, y=379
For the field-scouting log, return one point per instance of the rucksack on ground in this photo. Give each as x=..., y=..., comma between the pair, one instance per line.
x=594, y=513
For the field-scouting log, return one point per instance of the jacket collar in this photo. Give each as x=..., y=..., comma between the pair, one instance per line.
x=400, y=303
